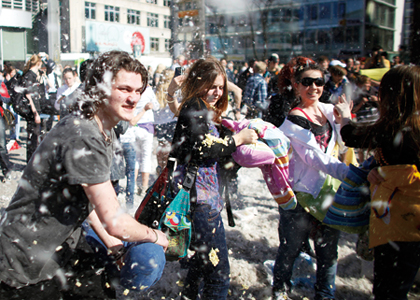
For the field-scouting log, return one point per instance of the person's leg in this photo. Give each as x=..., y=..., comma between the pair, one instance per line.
x=4, y=157
x=209, y=237
x=145, y=158
x=294, y=229
x=395, y=267
x=326, y=242
x=130, y=162
x=34, y=131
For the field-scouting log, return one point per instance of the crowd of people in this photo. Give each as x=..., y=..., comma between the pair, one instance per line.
x=109, y=115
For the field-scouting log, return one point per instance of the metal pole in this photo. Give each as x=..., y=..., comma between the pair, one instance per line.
x=54, y=29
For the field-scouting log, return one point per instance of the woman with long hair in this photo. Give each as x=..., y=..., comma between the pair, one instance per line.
x=165, y=121
x=34, y=91
x=395, y=186
x=199, y=139
x=313, y=130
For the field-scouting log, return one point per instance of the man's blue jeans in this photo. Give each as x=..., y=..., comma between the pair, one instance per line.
x=130, y=163
x=143, y=263
x=208, y=234
x=294, y=229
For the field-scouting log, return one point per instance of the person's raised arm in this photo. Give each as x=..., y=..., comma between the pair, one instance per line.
x=140, y=115
x=237, y=95
x=175, y=84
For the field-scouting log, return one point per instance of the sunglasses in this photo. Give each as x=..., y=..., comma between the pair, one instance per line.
x=308, y=81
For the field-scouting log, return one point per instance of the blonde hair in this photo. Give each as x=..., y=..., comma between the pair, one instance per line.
x=162, y=87
x=33, y=61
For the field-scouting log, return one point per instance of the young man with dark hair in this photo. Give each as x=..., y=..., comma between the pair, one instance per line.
x=66, y=182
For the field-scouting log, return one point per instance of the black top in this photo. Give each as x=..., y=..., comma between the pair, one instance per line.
x=395, y=151
x=34, y=88
x=192, y=129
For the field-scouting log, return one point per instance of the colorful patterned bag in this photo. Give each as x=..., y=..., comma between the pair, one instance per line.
x=176, y=222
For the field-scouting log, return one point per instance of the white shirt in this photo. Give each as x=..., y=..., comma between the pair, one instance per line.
x=146, y=97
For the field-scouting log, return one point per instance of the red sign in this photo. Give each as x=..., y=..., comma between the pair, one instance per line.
x=138, y=39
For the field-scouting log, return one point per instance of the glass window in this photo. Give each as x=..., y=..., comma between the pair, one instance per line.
x=152, y=20
x=7, y=3
x=341, y=10
x=133, y=16
x=313, y=12
x=152, y=1
x=167, y=21
x=325, y=10
x=188, y=5
x=166, y=2
x=90, y=10
x=167, y=44
x=112, y=13
x=154, y=44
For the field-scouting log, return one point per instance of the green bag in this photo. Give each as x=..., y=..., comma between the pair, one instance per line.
x=176, y=221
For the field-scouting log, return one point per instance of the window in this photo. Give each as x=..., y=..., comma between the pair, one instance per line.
x=90, y=10
x=154, y=44
x=188, y=5
x=167, y=21
x=313, y=12
x=152, y=20
x=133, y=16
x=325, y=11
x=166, y=2
x=152, y=1
x=112, y=13
x=167, y=44
x=15, y=4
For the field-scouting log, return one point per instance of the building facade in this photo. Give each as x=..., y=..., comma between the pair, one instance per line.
x=336, y=28
x=15, y=23
x=141, y=27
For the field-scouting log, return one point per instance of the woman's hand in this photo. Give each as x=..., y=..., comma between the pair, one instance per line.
x=175, y=84
x=148, y=106
x=342, y=110
x=245, y=136
x=374, y=177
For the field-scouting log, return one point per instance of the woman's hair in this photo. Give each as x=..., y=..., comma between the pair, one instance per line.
x=160, y=68
x=33, y=61
x=98, y=83
x=162, y=87
x=308, y=67
x=399, y=105
x=337, y=70
x=200, y=79
x=287, y=73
